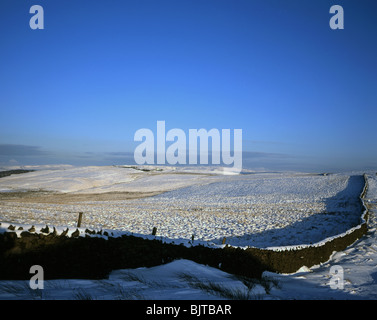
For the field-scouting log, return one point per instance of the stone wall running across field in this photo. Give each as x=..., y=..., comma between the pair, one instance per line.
x=64, y=257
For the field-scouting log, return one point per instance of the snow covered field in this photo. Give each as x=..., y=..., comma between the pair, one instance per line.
x=248, y=209
x=259, y=209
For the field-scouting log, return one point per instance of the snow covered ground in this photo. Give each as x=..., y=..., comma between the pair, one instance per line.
x=294, y=202
x=94, y=180
x=358, y=263
x=258, y=209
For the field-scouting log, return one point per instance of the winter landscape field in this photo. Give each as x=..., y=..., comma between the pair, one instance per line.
x=191, y=206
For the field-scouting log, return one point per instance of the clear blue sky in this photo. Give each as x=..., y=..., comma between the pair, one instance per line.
x=304, y=95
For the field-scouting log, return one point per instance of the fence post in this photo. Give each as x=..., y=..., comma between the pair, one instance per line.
x=79, y=222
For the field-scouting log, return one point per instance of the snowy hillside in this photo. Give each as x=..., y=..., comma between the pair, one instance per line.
x=313, y=200
x=259, y=209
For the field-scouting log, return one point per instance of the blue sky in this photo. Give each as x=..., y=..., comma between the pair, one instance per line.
x=304, y=95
